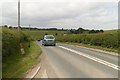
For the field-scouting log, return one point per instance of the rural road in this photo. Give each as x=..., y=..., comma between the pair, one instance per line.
x=67, y=61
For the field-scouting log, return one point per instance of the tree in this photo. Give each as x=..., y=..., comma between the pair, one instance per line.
x=10, y=27
x=101, y=31
x=5, y=26
x=52, y=29
x=56, y=34
x=46, y=33
x=97, y=31
x=80, y=30
x=92, y=31
x=72, y=31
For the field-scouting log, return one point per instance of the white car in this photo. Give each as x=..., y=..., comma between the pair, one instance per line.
x=48, y=40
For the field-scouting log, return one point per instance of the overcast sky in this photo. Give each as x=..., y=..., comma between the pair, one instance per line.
x=94, y=14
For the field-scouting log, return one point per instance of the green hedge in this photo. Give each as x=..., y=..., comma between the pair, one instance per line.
x=11, y=40
x=107, y=40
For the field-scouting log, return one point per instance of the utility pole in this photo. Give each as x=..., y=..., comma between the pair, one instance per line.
x=29, y=37
x=29, y=27
x=21, y=43
x=18, y=15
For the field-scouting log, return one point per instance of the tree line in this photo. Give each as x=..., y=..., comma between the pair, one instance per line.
x=73, y=31
x=81, y=30
x=34, y=28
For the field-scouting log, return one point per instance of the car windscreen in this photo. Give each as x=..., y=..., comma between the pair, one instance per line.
x=49, y=37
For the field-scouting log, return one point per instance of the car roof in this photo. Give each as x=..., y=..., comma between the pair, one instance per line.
x=48, y=36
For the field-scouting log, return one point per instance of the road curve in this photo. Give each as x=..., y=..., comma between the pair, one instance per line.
x=68, y=61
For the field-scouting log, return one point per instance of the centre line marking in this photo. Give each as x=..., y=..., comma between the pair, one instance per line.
x=93, y=58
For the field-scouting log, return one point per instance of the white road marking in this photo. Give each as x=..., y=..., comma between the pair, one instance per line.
x=44, y=75
x=93, y=58
x=111, y=53
x=35, y=73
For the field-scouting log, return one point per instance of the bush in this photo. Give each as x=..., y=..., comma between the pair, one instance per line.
x=10, y=41
x=107, y=40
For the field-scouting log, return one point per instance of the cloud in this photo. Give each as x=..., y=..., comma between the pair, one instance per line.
x=62, y=14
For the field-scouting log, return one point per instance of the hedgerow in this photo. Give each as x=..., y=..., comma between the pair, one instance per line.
x=11, y=40
x=107, y=40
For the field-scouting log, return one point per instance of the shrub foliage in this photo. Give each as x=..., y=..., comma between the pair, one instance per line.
x=107, y=40
x=11, y=40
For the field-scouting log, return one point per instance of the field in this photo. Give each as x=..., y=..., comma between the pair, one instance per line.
x=38, y=34
x=107, y=40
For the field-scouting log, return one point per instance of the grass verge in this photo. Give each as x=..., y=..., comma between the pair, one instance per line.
x=115, y=51
x=16, y=65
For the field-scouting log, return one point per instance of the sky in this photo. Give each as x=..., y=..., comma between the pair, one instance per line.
x=67, y=14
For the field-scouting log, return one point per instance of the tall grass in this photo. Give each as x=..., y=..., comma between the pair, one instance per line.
x=14, y=64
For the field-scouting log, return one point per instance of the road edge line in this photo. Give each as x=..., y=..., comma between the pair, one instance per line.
x=98, y=50
x=93, y=58
x=35, y=72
